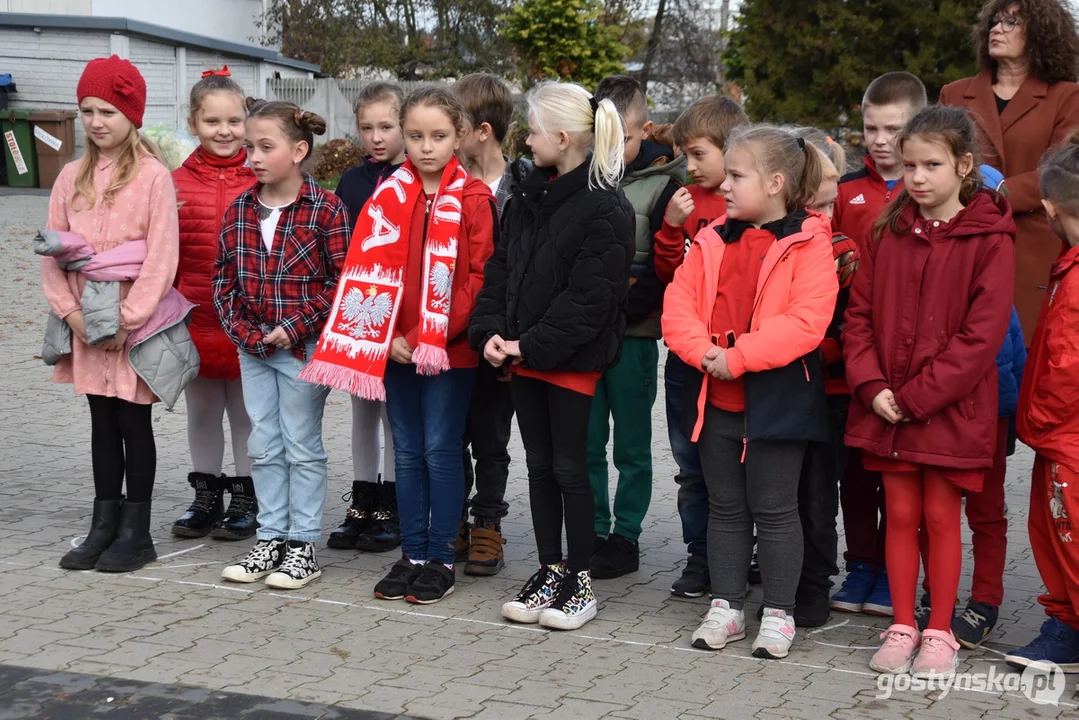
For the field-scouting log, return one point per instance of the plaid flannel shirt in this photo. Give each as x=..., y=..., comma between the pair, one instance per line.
x=291, y=286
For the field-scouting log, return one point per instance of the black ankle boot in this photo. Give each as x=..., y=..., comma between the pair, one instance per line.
x=240, y=520
x=102, y=532
x=208, y=508
x=133, y=546
x=384, y=530
x=357, y=517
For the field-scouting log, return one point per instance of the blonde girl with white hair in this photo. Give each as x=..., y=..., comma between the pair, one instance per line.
x=551, y=313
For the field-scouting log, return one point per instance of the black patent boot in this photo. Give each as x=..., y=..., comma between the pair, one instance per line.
x=208, y=508
x=133, y=547
x=240, y=520
x=102, y=532
x=357, y=517
x=384, y=530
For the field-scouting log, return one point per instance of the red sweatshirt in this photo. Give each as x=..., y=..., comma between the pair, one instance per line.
x=672, y=243
x=479, y=218
x=862, y=197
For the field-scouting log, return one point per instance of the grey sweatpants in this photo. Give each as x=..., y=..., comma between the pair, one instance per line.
x=763, y=491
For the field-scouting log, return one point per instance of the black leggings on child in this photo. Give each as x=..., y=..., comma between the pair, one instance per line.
x=554, y=431
x=122, y=442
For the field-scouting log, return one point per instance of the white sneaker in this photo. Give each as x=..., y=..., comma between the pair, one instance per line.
x=721, y=626
x=573, y=605
x=776, y=635
x=264, y=558
x=298, y=569
x=536, y=595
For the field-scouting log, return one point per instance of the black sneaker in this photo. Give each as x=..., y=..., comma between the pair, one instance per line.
x=397, y=580
x=361, y=497
x=298, y=569
x=264, y=559
x=921, y=613
x=619, y=556
x=695, y=580
x=434, y=582
x=974, y=625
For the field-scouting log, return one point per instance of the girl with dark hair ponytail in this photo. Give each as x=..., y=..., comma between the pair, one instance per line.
x=928, y=312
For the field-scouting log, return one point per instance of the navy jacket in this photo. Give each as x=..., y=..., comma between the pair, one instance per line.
x=1011, y=360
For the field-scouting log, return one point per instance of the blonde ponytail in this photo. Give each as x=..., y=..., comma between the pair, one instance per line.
x=567, y=107
x=609, y=146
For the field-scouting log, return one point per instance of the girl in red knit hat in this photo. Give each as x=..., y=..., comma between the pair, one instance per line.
x=117, y=193
x=206, y=184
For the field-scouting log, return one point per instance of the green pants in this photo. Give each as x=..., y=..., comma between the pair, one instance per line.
x=625, y=393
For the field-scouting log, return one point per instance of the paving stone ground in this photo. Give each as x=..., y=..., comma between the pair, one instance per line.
x=176, y=623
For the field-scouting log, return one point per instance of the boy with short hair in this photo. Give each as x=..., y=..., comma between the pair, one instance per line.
x=488, y=107
x=889, y=102
x=627, y=391
x=701, y=134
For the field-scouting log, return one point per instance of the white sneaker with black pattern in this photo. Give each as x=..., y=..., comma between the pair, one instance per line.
x=298, y=569
x=265, y=558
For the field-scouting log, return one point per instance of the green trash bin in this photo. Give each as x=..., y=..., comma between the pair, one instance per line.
x=20, y=157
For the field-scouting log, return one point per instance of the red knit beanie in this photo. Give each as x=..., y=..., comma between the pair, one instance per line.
x=115, y=81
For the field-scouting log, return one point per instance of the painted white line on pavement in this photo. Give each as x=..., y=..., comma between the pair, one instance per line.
x=186, y=565
x=829, y=627
x=179, y=552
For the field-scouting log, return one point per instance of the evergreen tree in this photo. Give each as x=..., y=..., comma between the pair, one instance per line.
x=809, y=61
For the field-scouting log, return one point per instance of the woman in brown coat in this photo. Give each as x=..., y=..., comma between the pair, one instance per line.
x=1025, y=100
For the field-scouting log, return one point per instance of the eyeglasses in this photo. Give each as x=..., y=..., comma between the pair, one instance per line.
x=1007, y=23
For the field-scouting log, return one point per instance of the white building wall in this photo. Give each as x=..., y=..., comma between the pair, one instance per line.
x=234, y=20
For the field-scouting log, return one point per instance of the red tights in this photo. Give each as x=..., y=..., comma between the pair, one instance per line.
x=909, y=497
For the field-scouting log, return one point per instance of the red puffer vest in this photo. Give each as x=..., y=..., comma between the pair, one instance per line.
x=205, y=186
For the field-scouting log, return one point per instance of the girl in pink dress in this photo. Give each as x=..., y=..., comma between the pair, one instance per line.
x=117, y=192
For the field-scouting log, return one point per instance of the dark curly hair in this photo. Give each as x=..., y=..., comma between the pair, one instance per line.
x=1051, y=38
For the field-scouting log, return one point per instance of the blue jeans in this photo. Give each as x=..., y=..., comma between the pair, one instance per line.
x=288, y=461
x=692, y=491
x=427, y=419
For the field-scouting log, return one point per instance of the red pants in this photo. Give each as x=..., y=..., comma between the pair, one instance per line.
x=912, y=496
x=1054, y=499
x=861, y=494
x=989, y=529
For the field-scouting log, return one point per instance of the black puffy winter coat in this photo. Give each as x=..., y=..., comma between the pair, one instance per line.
x=558, y=278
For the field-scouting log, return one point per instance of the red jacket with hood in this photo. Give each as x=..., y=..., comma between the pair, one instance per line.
x=928, y=312
x=1048, y=416
x=476, y=242
x=205, y=187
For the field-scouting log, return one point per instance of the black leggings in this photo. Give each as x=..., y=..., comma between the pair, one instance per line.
x=122, y=441
x=554, y=429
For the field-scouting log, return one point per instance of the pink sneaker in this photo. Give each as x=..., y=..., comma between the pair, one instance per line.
x=894, y=656
x=938, y=656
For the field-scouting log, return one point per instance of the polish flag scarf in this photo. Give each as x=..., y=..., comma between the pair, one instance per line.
x=355, y=345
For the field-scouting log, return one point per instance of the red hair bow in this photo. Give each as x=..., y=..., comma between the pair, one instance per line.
x=123, y=86
x=223, y=72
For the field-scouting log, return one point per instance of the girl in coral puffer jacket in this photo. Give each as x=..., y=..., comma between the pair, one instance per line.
x=206, y=184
